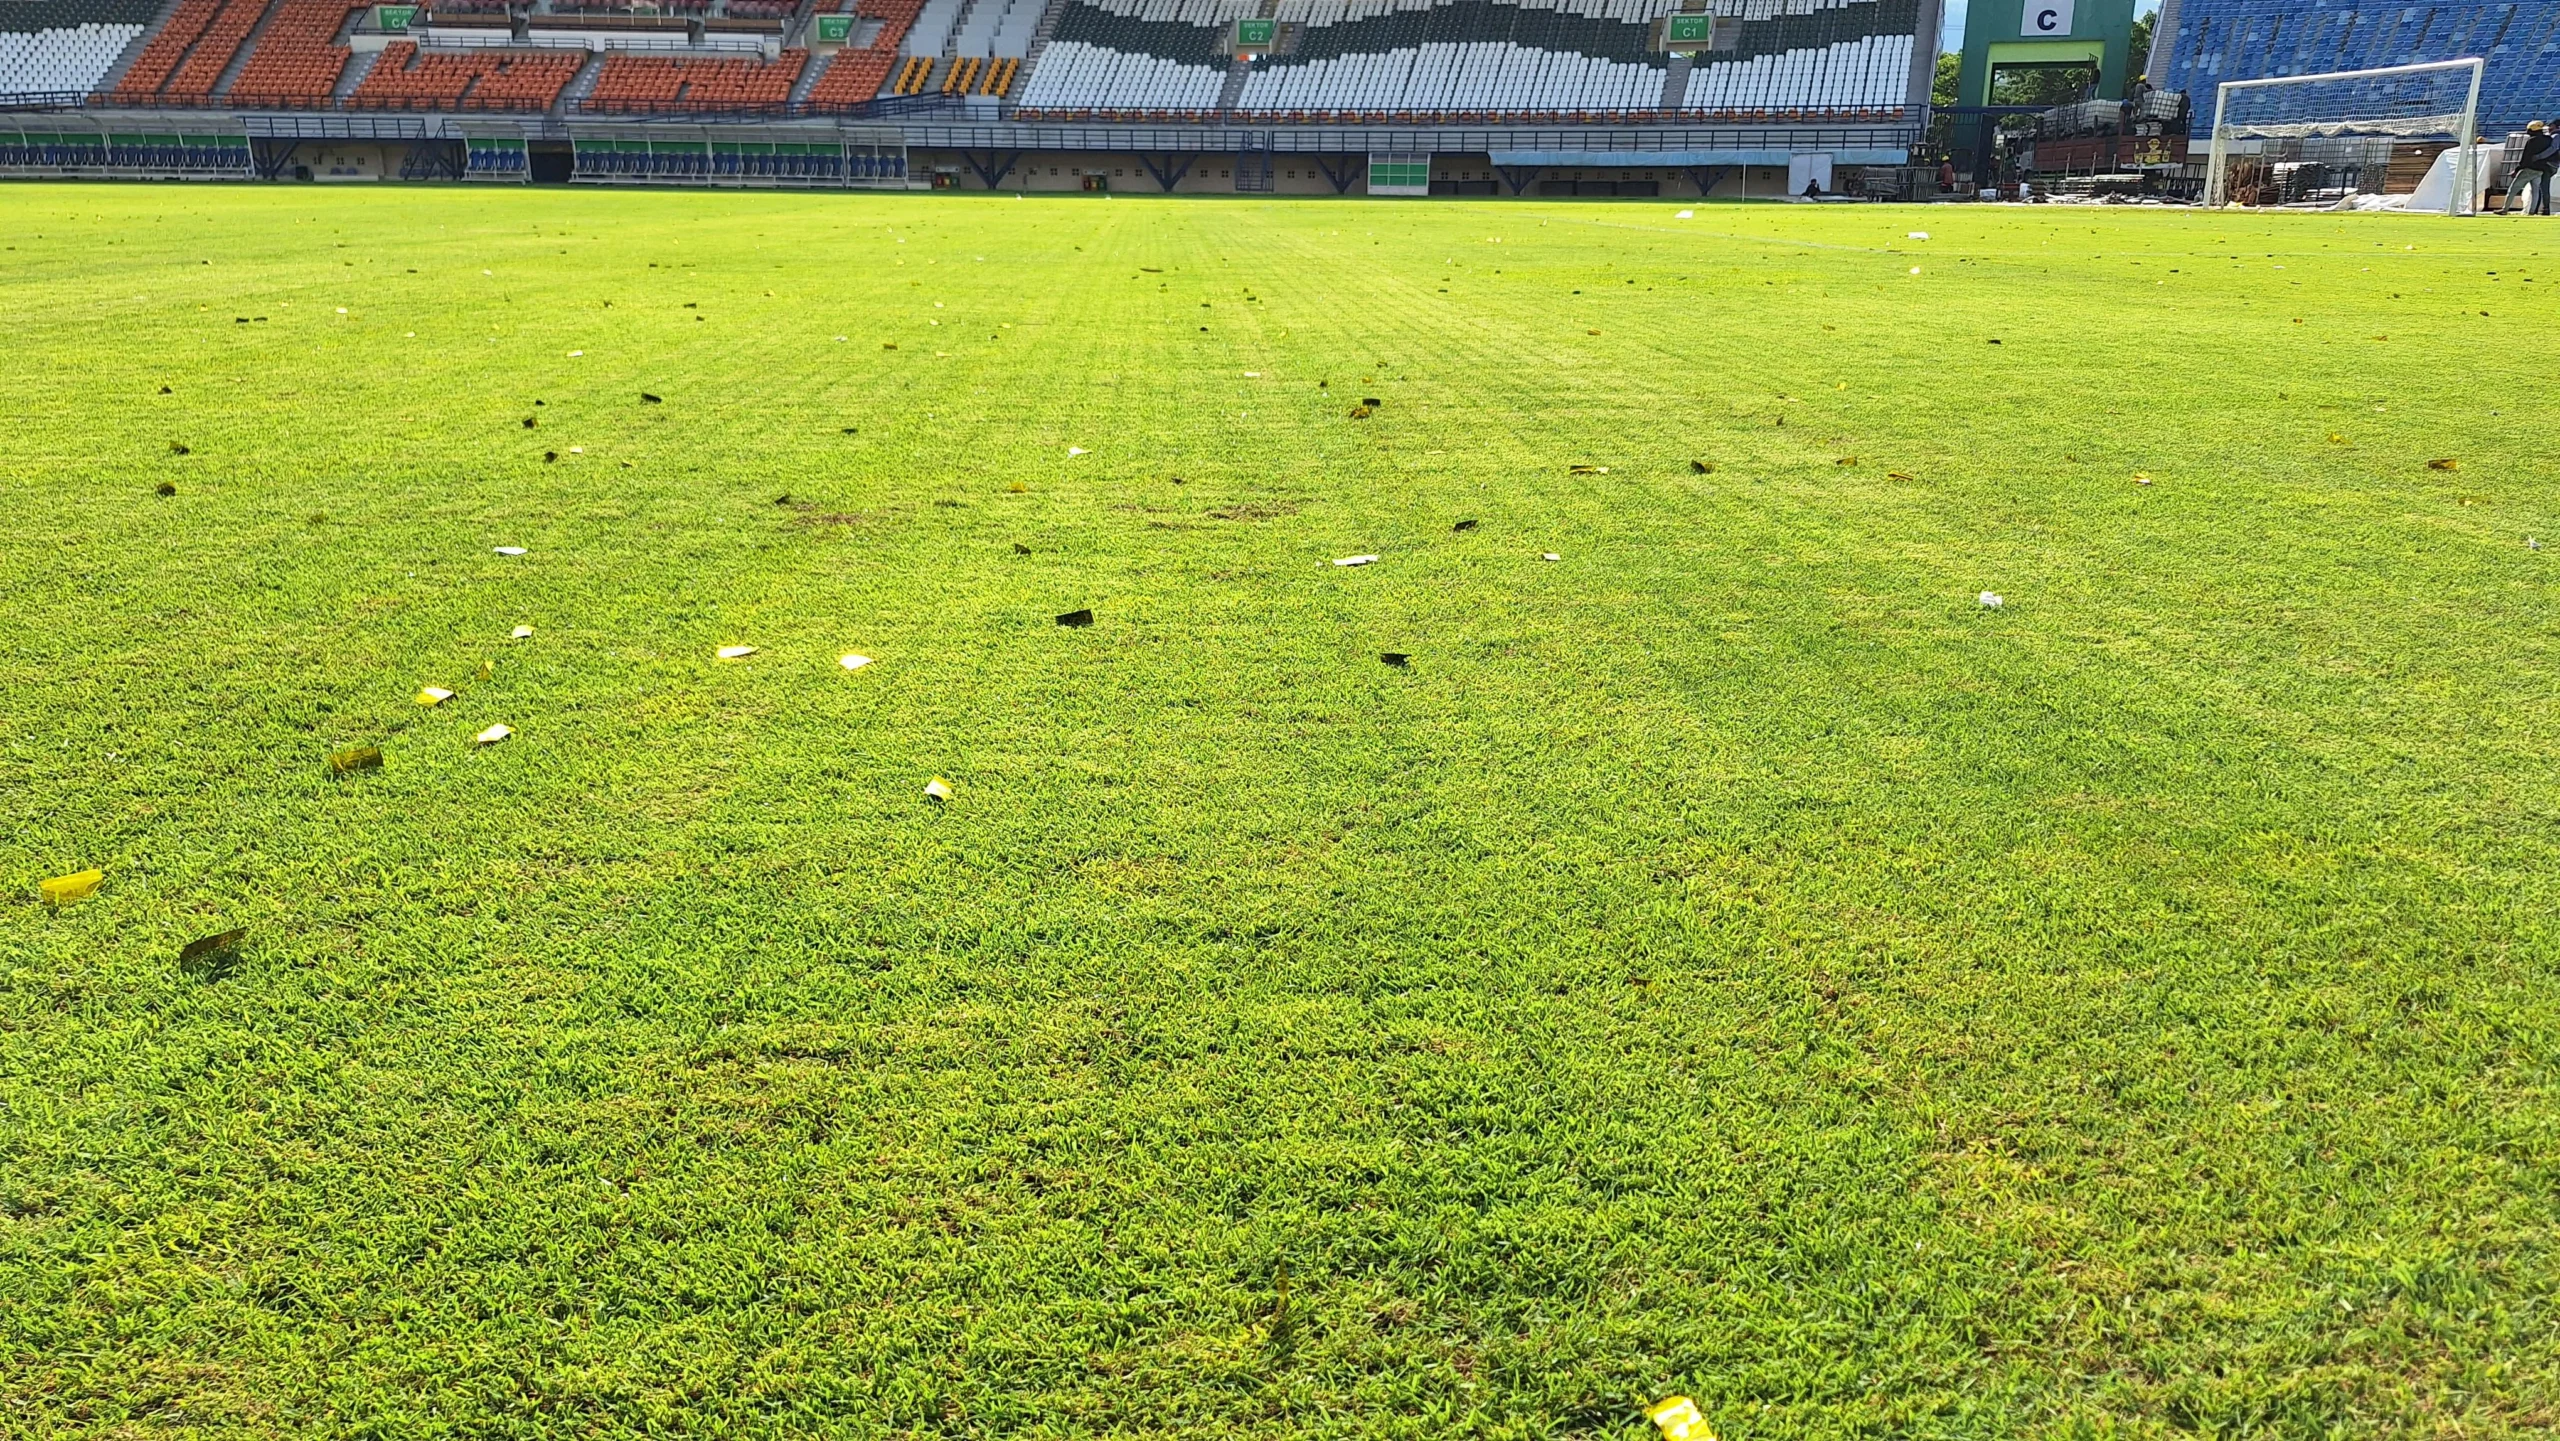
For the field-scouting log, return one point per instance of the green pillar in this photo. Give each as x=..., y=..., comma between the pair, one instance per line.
x=2045, y=32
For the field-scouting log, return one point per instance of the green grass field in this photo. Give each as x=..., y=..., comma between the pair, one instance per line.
x=1728, y=960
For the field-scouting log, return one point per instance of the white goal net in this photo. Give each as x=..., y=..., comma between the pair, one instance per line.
x=2315, y=138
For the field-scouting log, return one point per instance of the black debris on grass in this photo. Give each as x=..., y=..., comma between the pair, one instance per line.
x=164, y=488
x=647, y=399
x=203, y=946
x=1076, y=618
x=1464, y=525
x=1395, y=658
x=358, y=758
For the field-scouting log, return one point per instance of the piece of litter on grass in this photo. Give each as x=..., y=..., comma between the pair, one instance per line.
x=1915, y=270
x=937, y=789
x=492, y=735
x=203, y=946
x=164, y=488
x=357, y=758
x=1549, y=555
x=1357, y=560
x=1685, y=215
x=1702, y=467
x=2142, y=480
x=506, y=550
x=62, y=890
x=647, y=399
x=1990, y=600
x=433, y=695
x=1395, y=658
x=1076, y=617
x=1076, y=450
x=853, y=662
x=2444, y=465
x=1464, y=525
x=1586, y=470
x=1678, y=1419
x=575, y=354
x=1917, y=235
x=522, y=632
x=1899, y=475
x=735, y=652
x=1363, y=412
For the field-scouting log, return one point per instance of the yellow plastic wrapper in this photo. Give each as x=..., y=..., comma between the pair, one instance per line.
x=736, y=652
x=433, y=695
x=78, y=886
x=1678, y=1419
x=938, y=789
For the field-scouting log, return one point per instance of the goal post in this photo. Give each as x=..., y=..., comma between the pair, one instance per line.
x=2404, y=102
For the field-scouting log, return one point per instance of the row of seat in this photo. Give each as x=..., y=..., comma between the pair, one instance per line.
x=210, y=153
x=1643, y=115
x=1487, y=56
x=1448, y=77
x=854, y=77
x=62, y=60
x=642, y=83
x=297, y=61
x=403, y=79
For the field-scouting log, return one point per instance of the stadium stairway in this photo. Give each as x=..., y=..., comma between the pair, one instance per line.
x=353, y=76
x=240, y=58
x=109, y=82
x=581, y=85
x=818, y=65
x=217, y=51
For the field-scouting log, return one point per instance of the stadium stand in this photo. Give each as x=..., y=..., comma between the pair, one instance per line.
x=1475, y=60
x=63, y=47
x=855, y=76
x=404, y=79
x=2205, y=42
x=193, y=81
x=644, y=84
x=297, y=62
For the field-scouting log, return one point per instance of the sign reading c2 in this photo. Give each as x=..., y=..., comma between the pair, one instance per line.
x=2045, y=19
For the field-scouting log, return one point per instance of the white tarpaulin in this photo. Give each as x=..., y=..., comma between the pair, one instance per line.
x=2435, y=193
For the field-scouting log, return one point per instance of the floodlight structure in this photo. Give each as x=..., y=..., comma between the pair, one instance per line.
x=2411, y=102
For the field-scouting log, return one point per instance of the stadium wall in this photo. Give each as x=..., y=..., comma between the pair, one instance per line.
x=2206, y=42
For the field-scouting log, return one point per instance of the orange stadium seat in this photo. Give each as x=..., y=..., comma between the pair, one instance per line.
x=298, y=61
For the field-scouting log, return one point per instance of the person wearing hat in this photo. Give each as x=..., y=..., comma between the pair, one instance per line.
x=2533, y=168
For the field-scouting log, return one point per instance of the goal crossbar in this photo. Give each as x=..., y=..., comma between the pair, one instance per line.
x=2459, y=123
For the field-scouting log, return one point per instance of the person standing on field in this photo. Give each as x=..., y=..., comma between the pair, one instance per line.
x=2533, y=168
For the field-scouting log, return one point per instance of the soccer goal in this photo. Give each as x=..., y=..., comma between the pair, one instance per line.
x=2314, y=138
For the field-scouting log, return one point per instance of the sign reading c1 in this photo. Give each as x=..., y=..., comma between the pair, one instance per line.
x=2045, y=19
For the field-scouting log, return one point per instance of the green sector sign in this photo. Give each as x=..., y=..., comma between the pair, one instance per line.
x=394, y=19
x=1689, y=30
x=1255, y=33
x=834, y=29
